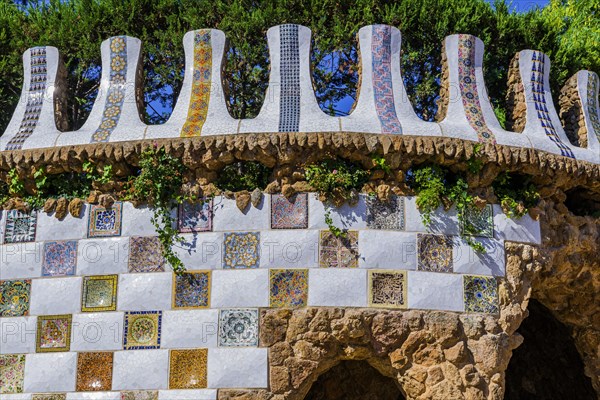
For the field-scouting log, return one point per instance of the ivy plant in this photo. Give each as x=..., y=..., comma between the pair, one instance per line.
x=516, y=193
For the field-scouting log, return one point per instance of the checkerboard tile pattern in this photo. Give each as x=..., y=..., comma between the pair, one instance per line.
x=142, y=330
x=20, y=227
x=60, y=258
x=105, y=222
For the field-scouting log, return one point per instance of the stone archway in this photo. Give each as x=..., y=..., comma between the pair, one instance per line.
x=354, y=380
x=547, y=366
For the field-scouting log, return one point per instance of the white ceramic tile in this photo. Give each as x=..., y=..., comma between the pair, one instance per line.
x=17, y=335
x=21, y=260
x=523, y=230
x=99, y=256
x=228, y=217
x=467, y=261
x=237, y=368
x=94, y=396
x=442, y=221
x=346, y=216
x=435, y=291
x=145, y=292
x=50, y=228
x=191, y=394
x=185, y=329
x=294, y=248
x=16, y=396
x=136, y=221
x=381, y=249
x=97, y=331
x=50, y=372
x=201, y=250
x=337, y=287
x=240, y=288
x=140, y=369
x=55, y=296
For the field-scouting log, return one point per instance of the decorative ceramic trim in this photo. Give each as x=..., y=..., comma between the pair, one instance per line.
x=201, y=84
x=592, y=103
x=116, y=90
x=15, y=231
x=67, y=335
x=382, y=79
x=288, y=287
x=15, y=297
x=289, y=71
x=35, y=97
x=95, y=230
x=131, y=318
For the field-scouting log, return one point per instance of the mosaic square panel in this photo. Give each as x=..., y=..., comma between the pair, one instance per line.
x=14, y=298
x=60, y=258
x=94, y=371
x=387, y=289
x=49, y=396
x=12, y=371
x=105, y=222
x=338, y=252
x=195, y=217
x=289, y=213
x=191, y=290
x=289, y=287
x=478, y=222
x=289, y=70
x=241, y=250
x=140, y=395
x=53, y=333
x=381, y=50
x=385, y=214
x=238, y=327
x=99, y=293
x=142, y=330
x=187, y=369
x=20, y=227
x=145, y=254
x=481, y=294
x=434, y=253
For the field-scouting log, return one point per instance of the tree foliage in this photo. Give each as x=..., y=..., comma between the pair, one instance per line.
x=567, y=30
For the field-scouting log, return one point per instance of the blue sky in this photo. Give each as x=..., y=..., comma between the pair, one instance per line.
x=525, y=5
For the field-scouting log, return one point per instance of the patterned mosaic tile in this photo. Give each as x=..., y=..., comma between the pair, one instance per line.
x=539, y=101
x=238, y=327
x=191, y=290
x=481, y=294
x=241, y=250
x=289, y=69
x=94, y=371
x=20, y=227
x=105, y=222
x=49, y=396
x=434, y=253
x=387, y=289
x=382, y=79
x=339, y=252
x=201, y=84
x=99, y=293
x=289, y=287
x=53, y=333
x=195, y=217
x=592, y=102
x=142, y=330
x=140, y=395
x=116, y=90
x=289, y=214
x=14, y=298
x=468, y=88
x=12, y=371
x=60, y=258
x=187, y=369
x=385, y=214
x=35, y=97
x=478, y=222
x=145, y=254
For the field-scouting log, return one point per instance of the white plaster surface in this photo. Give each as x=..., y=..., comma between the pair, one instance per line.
x=238, y=368
x=55, y=296
x=442, y=221
x=240, y=288
x=201, y=250
x=190, y=394
x=50, y=372
x=186, y=329
x=337, y=287
x=94, y=396
x=67, y=229
x=127, y=366
x=147, y=291
x=435, y=291
x=17, y=335
x=97, y=331
x=346, y=216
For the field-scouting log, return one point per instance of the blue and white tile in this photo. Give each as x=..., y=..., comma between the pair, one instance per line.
x=128, y=364
x=187, y=329
x=337, y=287
x=50, y=372
x=145, y=292
x=435, y=291
x=55, y=296
x=238, y=367
x=295, y=248
x=400, y=251
x=17, y=335
x=97, y=331
x=228, y=217
x=240, y=288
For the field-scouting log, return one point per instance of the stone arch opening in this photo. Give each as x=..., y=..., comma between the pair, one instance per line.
x=547, y=366
x=354, y=380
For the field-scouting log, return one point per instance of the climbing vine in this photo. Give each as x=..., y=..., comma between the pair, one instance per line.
x=516, y=193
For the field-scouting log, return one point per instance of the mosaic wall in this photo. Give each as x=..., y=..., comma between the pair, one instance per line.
x=86, y=303
x=539, y=101
x=592, y=99
x=35, y=97
x=289, y=70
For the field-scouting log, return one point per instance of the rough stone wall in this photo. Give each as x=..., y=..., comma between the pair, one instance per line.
x=516, y=114
x=571, y=113
x=442, y=102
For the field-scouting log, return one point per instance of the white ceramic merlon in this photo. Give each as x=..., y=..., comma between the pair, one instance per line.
x=115, y=115
x=470, y=114
x=200, y=107
x=290, y=103
x=383, y=105
x=543, y=127
x=33, y=123
x=587, y=88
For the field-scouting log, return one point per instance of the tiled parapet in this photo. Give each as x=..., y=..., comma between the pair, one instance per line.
x=466, y=110
x=290, y=103
x=383, y=105
x=115, y=115
x=200, y=108
x=34, y=122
